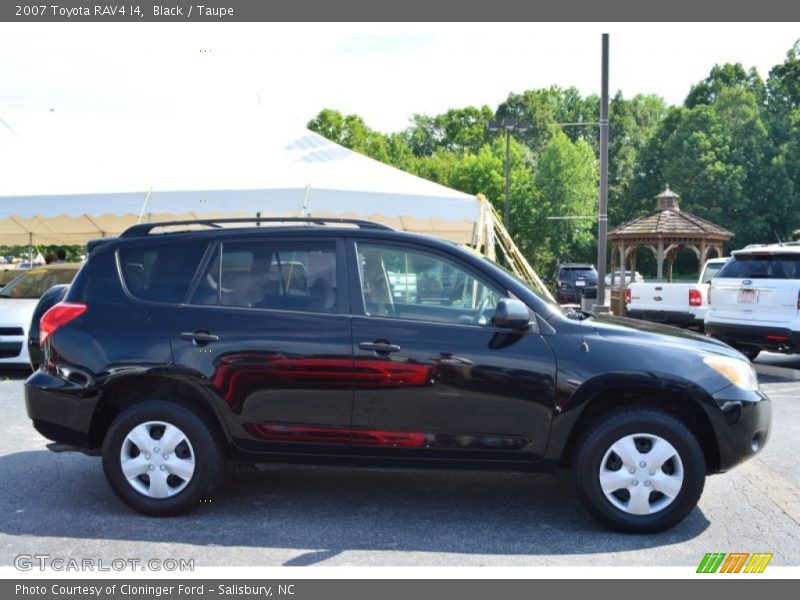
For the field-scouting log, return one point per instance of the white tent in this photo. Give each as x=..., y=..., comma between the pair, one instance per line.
x=68, y=178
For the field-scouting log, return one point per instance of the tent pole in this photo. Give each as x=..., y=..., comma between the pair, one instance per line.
x=30, y=250
x=144, y=204
x=304, y=211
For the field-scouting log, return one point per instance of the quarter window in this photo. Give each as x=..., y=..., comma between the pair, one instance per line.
x=160, y=272
x=406, y=284
x=297, y=276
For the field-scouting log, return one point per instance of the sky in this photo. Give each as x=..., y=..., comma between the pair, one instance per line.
x=384, y=72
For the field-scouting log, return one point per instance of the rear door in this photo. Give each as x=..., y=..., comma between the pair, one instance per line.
x=758, y=287
x=267, y=330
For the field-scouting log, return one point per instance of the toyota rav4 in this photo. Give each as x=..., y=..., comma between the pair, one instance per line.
x=175, y=352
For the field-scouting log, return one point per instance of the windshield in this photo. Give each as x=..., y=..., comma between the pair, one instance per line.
x=541, y=292
x=36, y=282
x=762, y=266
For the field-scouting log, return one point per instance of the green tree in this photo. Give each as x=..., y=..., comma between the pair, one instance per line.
x=566, y=181
x=632, y=125
x=724, y=77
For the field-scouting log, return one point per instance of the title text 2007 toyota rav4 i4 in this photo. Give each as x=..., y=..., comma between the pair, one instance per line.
x=173, y=352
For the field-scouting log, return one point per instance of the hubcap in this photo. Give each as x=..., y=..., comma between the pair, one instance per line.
x=157, y=459
x=646, y=459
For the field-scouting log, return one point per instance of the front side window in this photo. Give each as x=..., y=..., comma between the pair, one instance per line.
x=401, y=283
x=298, y=276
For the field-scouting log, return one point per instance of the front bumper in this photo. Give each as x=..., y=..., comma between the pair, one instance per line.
x=778, y=339
x=741, y=424
x=13, y=346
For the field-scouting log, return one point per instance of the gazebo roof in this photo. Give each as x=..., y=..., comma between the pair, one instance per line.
x=669, y=221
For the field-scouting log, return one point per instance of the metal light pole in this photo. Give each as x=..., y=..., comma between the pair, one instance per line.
x=508, y=125
x=602, y=216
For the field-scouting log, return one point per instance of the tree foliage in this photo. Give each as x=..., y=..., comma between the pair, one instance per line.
x=732, y=151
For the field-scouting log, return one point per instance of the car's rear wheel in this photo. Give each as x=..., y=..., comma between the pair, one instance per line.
x=162, y=459
x=640, y=470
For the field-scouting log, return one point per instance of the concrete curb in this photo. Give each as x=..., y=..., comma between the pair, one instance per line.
x=781, y=372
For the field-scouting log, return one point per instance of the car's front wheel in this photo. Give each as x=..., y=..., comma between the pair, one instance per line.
x=162, y=459
x=640, y=470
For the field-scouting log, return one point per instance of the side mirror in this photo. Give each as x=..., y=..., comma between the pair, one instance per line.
x=512, y=314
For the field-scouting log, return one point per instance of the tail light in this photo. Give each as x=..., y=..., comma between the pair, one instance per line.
x=798, y=300
x=58, y=315
x=695, y=298
x=628, y=296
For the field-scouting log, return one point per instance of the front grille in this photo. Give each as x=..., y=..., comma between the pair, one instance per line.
x=11, y=331
x=10, y=349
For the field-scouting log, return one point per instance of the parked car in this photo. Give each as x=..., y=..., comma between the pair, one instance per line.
x=575, y=281
x=7, y=276
x=18, y=300
x=167, y=364
x=636, y=277
x=755, y=300
x=682, y=304
x=50, y=298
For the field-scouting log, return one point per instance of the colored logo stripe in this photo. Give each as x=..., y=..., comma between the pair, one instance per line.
x=734, y=562
x=711, y=562
x=758, y=563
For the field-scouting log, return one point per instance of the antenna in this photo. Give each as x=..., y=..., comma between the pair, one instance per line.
x=780, y=243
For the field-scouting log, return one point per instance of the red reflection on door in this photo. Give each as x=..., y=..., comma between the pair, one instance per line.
x=238, y=375
x=276, y=432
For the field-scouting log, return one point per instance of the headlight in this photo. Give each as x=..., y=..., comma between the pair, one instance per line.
x=739, y=372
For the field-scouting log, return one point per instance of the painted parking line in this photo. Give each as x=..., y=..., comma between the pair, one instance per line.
x=783, y=373
x=780, y=491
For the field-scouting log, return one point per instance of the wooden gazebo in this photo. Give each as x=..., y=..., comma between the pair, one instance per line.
x=665, y=231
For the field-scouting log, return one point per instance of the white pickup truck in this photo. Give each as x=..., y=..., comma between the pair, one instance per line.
x=683, y=304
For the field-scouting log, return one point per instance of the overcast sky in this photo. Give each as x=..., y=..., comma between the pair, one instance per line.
x=383, y=72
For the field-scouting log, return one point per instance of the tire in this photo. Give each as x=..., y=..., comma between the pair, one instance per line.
x=658, y=496
x=183, y=474
x=751, y=352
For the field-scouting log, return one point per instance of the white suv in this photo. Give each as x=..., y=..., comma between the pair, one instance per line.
x=754, y=301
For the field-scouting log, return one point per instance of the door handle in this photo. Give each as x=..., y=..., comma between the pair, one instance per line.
x=379, y=347
x=199, y=337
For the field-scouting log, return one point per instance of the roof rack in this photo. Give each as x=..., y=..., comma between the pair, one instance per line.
x=145, y=228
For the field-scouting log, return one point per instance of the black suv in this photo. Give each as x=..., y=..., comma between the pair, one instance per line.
x=574, y=282
x=174, y=352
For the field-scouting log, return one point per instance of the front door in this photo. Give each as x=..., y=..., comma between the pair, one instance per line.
x=268, y=330
x=433, y=376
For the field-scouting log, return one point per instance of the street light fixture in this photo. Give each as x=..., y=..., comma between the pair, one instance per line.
x=508, y=126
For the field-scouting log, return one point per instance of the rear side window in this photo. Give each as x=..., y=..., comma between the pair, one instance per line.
x=298, y=276
x=712, y=270
x=161, y=272
x=762, y=266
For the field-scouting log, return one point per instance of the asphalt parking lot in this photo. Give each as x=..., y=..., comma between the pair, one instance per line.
x=60, y=505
